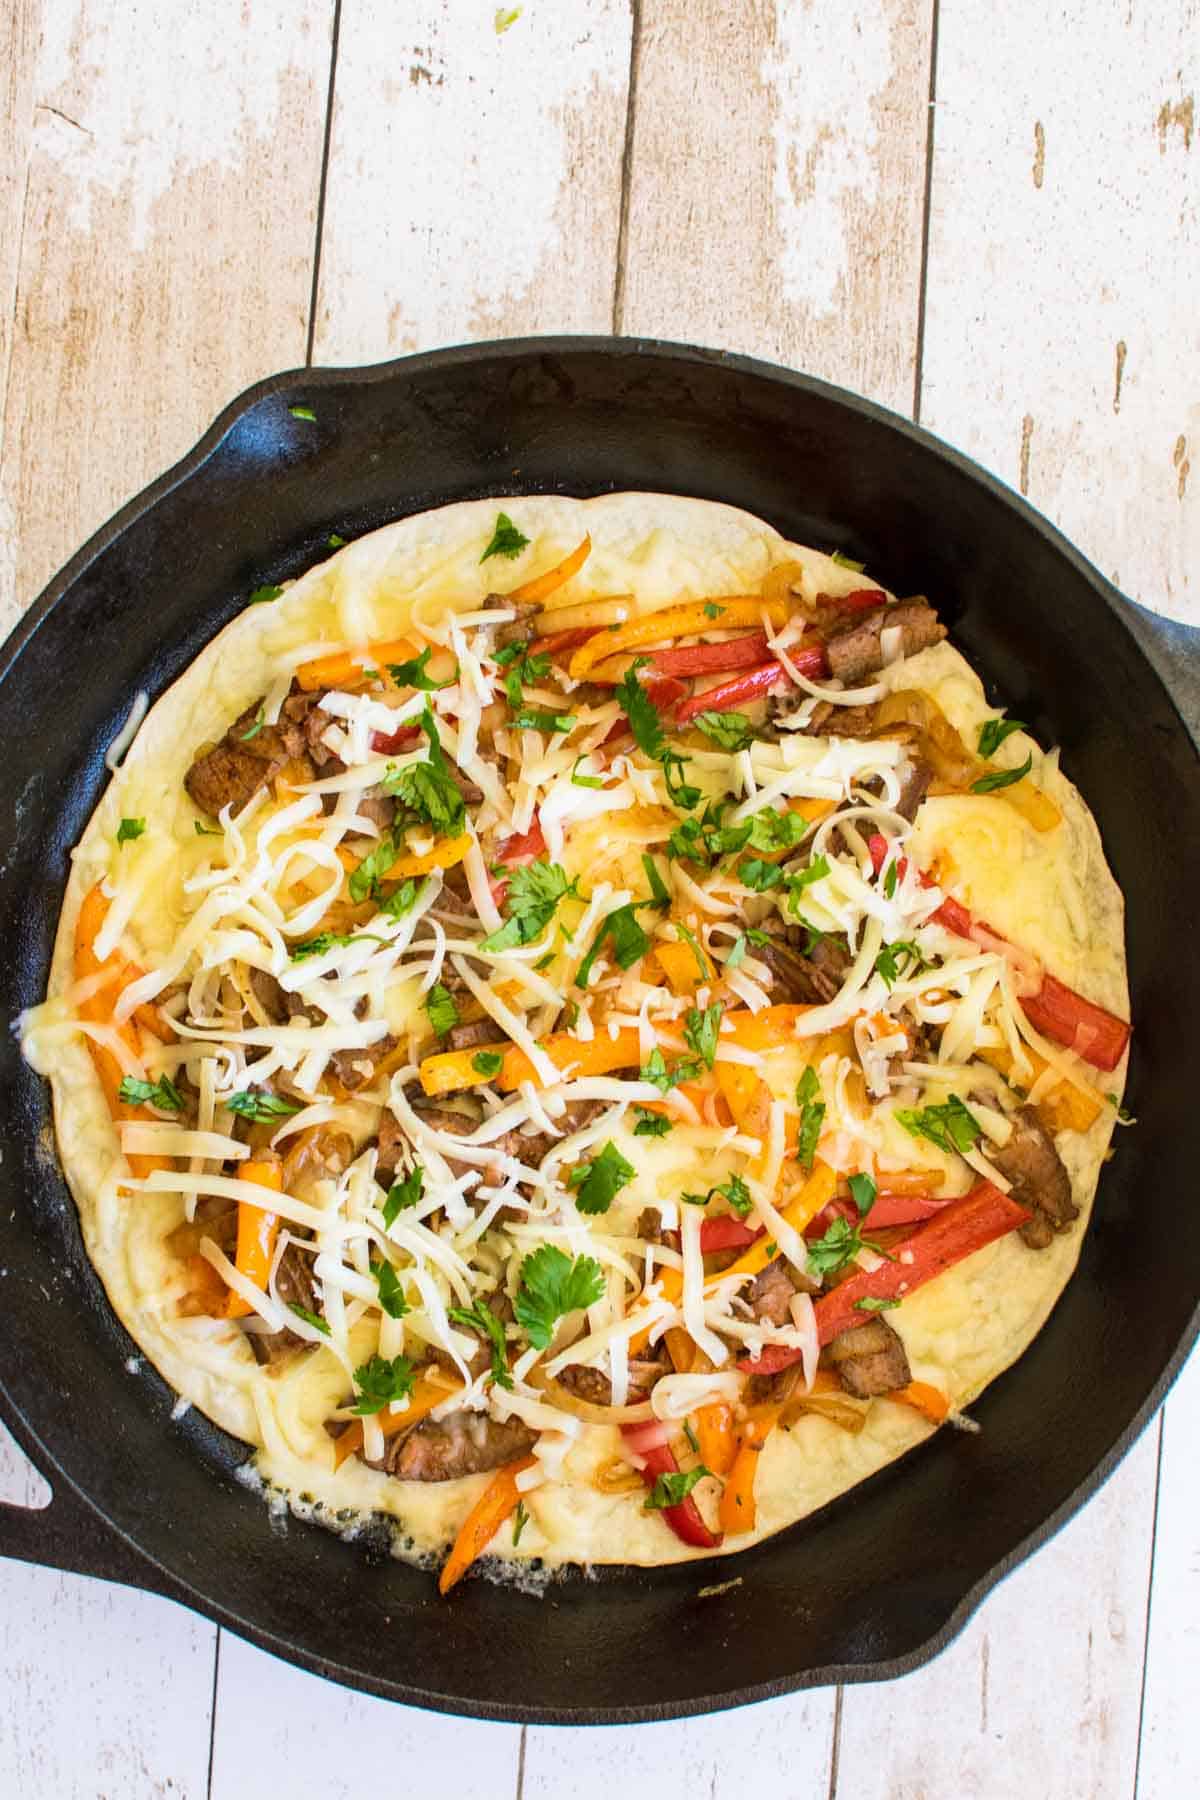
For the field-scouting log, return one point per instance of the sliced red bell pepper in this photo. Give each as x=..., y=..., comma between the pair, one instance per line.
x=755, y=684
x=1055, y=1010
x=522, y=846
x=886, y=1211
x=712, y=659
x=962, y=1226
x=390, y=743
x=685, y=1519
x=727, y=1233
x=559, y=641
x=861, y=600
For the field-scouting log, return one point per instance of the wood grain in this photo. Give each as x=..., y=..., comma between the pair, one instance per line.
x=475, y=176
x=280, y=1731
x=777, y=184
x=166, y=213
x=1040, y=1695
x=1168, y=1764
x=1061, y=345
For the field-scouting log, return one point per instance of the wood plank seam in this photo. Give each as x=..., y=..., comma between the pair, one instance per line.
x=635, y=42
x=926, y=212
x=334, y=37
x=1158, y=1466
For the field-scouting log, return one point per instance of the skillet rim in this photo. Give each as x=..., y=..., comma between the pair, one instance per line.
x=305, y=380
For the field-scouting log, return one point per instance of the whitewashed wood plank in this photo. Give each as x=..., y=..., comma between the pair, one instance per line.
x=280, y=1731
x=475, y=176
x=781, y=1747
x=1040, y=1694
x=1169, y=1765
x=1061, y=345
x=777, y=183
x=166, y=231
x=20, y=1483
x=107, y=1694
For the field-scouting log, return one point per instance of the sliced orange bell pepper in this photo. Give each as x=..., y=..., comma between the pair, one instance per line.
x=443, y=856
x=425, y=1396
x=344, y=666
x=738, y=1511
x=687, y=620
x=1067, y=1106
x=543, y=585
x=716, y=1437
x=817, y=1192
x=679, y=964
x=497, y=1501
x=97, y=1010
x=924, y=1398
x=452, y=1070
x=257, y=1231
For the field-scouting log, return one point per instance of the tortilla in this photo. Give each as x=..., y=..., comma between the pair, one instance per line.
x=1049, y=892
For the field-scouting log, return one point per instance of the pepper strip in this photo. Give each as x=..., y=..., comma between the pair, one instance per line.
x=685, y=1519
x=738, y=1512
x=425, y=1396
x=756, y=684
x=341, y=666
x=963, y=1226
x=496, y=1503
x=257, y=1232
x=688, y=620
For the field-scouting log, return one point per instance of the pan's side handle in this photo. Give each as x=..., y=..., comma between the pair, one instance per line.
x=69, y=1534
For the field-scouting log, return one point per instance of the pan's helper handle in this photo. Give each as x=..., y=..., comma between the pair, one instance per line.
x=67, y=1533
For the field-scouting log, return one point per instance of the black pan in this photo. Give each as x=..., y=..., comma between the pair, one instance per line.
x=888, y=1574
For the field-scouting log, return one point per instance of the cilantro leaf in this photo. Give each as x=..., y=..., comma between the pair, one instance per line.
x=737, y=950
x=538, y=718
x=658, y=887
x=310, y=1318
x=552, y=1285
x=846, y=562
x=269, y=590
x=734, y=1190
x=441, y=1009
x=530, y=903
x=379, y=1382
x=427, y=790
x=817, y=869
x=584, y=781
x=901, y=958
x=364, y=881
x=951, y=1127
x=839, y=1246
x=728, y=730
x=690, y=939
x=862, y=1192
x=129, y=829
x=480, y=1318
x=402, y=1194
x=1002, y=778
x=993, y=732
x=303, y=412
x=870, y=1303
x=812, y=1117
x=414, y=673
x=890, y=879
x=771, y=830
x=487, y=1063
x=626, y=939
x=401, y=901
x=332, y=940
x=705, y=839
x=712, y=610
x=760, y=876
x=646, y=726
x=335, y=541
x=252, y=1103
x=651, y=1124
x=597, y=1183
x=700, y=1030
x=673, y=1488
x=161, y=1093
x=506, y=539
x=391, y=1291
x=521, y=1516
x=206, y=830
x=655, y=1070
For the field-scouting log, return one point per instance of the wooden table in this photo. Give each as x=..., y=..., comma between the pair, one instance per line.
x=985, y=217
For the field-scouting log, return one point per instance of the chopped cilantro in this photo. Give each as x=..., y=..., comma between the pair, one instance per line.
x=303, y=412
x=705, y=839
x=161, y=1093
x=656, y=1072
x=252, y=1103
x=441, y=1009
x=402, y=900
x=817, y=869
x=812, y=1117
x=901, y=958
x=871, y=1303
x=672, y=1489
x=712, y=610
x=310, y=1318
x=539, y=718
x=1002, y=778
x=734, y=1190
x=506, y=540
x=552, y=1285
x=427, y=790
x=951, y=1127
x=415, y=673
x=391, y=1292
x=737, y=950
x=651, y=1124
x=993, y=732
x=521, y=1516
x=379, y=1382
x=839, y=1246
x=335, y=541
x=627, y=942
x=659, y=893
x=584, y=781
x=507, y=16
x=206, y=830
x=730, y=731
x=647, y=730
x=403, y=1194
x=482, y=1319
x=862, y=1192
x=270, y=590
x=890, y=878
x=332, y=940
x=259, y=721
x=689, y=937
x=1124, y=1116
x=530, y=902
x=700, y=1031
x=487, y=1063
x=771, y=830
x=760, y=876
x=129, y=829
x=597, y=1183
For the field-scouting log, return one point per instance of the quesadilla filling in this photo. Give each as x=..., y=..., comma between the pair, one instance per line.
x=575, y=1031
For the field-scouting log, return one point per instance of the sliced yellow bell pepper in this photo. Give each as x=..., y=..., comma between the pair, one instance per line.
x=687, y=620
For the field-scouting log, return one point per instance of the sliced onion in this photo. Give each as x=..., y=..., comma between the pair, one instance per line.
x=587, y=1410
x=654, y=1435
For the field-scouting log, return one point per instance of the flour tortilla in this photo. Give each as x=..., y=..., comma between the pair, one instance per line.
x=1055, y=896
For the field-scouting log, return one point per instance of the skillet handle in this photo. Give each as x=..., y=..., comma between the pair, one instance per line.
x=69, y=1534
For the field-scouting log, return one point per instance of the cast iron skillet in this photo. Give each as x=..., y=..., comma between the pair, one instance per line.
x=888, y=1574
